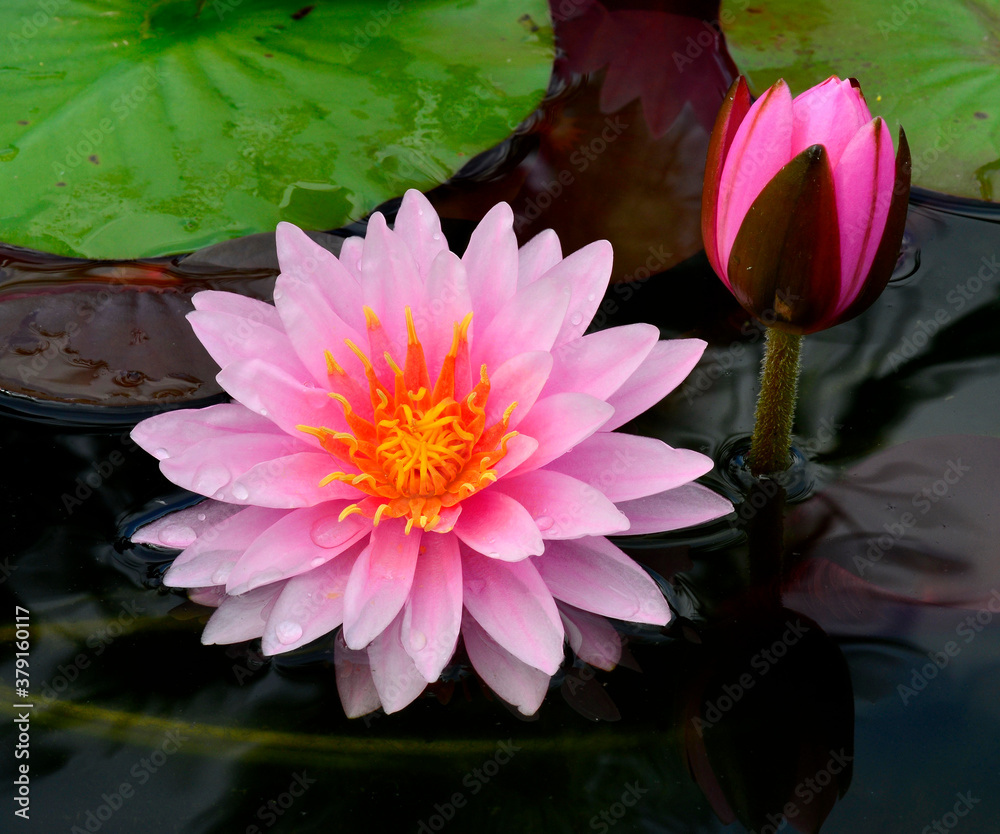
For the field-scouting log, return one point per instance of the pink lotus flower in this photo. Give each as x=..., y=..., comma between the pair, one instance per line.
x=421, y=446
x=804, y=206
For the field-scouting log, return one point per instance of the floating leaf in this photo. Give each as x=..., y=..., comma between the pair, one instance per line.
x=932, y=67
x=139, y=129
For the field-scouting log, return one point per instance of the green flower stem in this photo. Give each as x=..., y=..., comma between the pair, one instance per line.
x=770, y=447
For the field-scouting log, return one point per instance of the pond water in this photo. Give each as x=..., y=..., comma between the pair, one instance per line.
x=834, y=666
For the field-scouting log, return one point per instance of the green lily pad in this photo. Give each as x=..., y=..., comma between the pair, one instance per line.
x=135, y=129
x=932, y=67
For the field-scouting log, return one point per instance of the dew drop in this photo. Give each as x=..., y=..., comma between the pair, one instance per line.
x=417, y=640
x=317, y=562
x=493, y=554
x=287, y=632
x=177, y=535
x=575, y=319
x=328, y=532
x=161, y=453
x=591, y=297
x=436, y=236
x=222, y=572
x=277, y=293
x=210, y=478
x=201, y=516
x=240, y=492
x=263, y=412
x=219, y=496
x=544, y=522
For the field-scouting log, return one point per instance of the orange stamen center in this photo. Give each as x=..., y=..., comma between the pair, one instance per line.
x=423, y=450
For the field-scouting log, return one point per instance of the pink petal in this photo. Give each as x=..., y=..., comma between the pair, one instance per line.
x=419, y=228
x=228, y=338
x=563, y=507
x=310, y=322
x=496, y=525
x=668, y=363
x=491, y=263
x=209, y=560
x=530, y=321
x=863, y=183
x=350, y=256
x=311, y=603
x=181, y=528
x=625, y=466
x=285, y=401
x=596, y=576
x=447, y=301
x=212, y=596
x=209, y=467
x=432, y=615
x=305, y=262
x=511, y=602
x=302, y=540
x=592, y=638
x=354, y=680
x=588, y=270
x=827, y=114
x=761, y=146
x=233, y=304
x=599, y=363
x=519, y=449
x=290, y=481
x=674, y=509
x=514, y=681
x=240, y=618
x=559, y=422
x=174, y=432
x=391, y=282
x=380, y=582
x=537, y=257
x=396, y=677
x=520, y=379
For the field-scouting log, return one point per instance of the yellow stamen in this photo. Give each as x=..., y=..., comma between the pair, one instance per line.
x=422, y=448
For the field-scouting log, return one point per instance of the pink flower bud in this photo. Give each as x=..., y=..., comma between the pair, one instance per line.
x=804, y=206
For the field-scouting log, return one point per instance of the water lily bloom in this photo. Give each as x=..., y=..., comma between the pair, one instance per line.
x=804, y=204
x=420, y=447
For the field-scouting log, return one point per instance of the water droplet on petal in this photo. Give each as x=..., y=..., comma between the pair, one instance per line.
x=201, y=516
x=575, y=319
x=493, y=554
x=177, y=535
x=221, y=575
x=591, y=297
x=287, y=632
x=263, y=412
x=319, y=560
x=544, y=522
x=210, y=478
x=240, y=492
x=417, y=640
x=277, y=293
x=329, y=532
x=161, y=454
x=219, y=496
x=436, y=236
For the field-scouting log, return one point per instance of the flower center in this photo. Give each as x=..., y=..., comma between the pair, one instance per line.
x=423, y=451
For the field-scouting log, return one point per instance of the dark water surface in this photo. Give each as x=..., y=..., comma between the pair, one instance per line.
x=836, y=666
